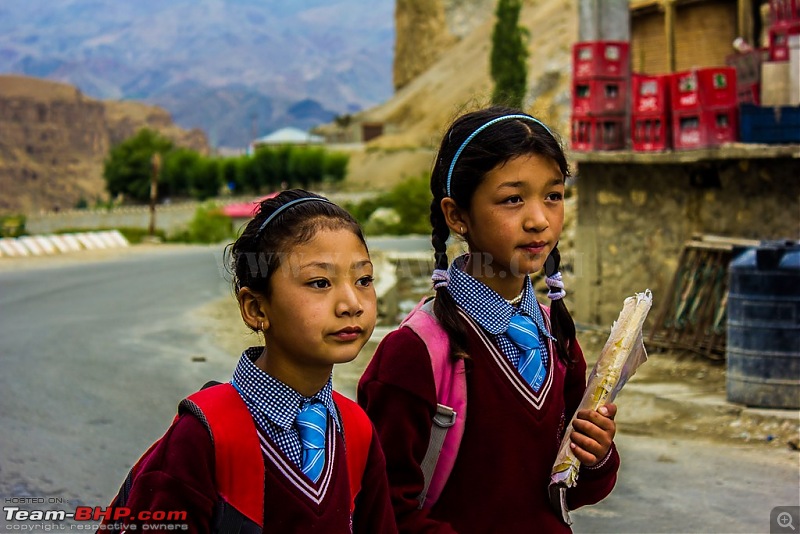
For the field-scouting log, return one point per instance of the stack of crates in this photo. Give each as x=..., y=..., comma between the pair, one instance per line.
x=600, y=85
x=651, y=126
x=785, y=21
x=705, y=107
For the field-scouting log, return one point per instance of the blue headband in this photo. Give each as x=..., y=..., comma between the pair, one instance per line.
x=288, y=205
x=482, y=128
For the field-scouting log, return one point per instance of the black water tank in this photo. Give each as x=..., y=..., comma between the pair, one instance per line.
x=763, y=347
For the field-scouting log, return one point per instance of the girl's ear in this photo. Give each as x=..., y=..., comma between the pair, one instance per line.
x=253, y=308
x=454, y=216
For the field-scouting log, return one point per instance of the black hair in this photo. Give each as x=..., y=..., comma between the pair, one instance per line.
x=255, y=256
x=501, y=142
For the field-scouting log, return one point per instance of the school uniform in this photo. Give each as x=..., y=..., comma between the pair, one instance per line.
x=499, y=482
x=179, y=475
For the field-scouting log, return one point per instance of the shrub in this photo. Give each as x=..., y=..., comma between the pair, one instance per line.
x=209, y=225
x=410, y=204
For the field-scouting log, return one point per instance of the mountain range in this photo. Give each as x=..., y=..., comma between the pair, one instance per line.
x=237, y=69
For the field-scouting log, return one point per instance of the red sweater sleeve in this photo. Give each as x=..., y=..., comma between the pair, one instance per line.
x=594, y=483
x=178, y=476
x=398, y=393
x=373, y=511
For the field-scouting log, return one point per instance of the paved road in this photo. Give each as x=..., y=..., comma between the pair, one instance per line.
x=95, y=356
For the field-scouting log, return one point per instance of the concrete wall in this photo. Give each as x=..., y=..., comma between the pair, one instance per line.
x=633, y=219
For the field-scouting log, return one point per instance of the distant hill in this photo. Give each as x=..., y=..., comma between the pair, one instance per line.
x=54, y=140
x=234, y=68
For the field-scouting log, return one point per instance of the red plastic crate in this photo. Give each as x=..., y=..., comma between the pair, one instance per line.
x=650, y=93
x=779, y=39
x=784, y=10
x=704, y=88
x=598, y=133
x=651, y=132
x=704, y=128
x=604, y=59
x=599, y=96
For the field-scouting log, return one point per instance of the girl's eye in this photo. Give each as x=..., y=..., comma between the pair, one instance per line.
x=516, y=199
x=319, y=284
x=555, y=197
x=365, y=281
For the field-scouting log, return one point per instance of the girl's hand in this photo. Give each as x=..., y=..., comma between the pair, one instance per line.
x=593, y=434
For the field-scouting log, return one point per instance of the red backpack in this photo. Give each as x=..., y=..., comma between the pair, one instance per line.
x=239, y=463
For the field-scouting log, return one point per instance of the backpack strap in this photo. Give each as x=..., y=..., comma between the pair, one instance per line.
x=451, y=397
x=358, y=440
x=239, y=464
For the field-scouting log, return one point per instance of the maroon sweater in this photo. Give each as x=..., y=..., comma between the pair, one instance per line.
x=500, y=479
x=179, y=475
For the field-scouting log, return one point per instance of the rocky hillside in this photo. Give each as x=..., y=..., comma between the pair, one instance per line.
x=54, y=140
x=449, y=73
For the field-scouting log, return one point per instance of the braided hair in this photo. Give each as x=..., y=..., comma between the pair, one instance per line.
x=460, y=168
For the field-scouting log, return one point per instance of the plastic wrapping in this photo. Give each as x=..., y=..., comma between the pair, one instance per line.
x=622, y=354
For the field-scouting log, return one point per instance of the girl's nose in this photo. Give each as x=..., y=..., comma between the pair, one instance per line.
x=349, y=303
x=535, y=218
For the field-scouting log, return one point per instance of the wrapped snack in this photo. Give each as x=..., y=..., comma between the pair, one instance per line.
x=621, y=356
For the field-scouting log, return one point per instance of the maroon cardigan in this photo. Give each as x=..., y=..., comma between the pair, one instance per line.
x=500, y=479
x=179, y=475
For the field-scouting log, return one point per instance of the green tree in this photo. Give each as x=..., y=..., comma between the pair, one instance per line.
x=307, y=165
x=128, y=168
x=509, y=55
x=336, y=166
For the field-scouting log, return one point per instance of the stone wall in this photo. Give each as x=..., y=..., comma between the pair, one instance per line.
x=633, y=219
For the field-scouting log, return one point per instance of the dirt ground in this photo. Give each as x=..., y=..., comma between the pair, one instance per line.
x=672, y=394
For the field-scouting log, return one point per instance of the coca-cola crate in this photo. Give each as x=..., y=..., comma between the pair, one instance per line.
x=704, y=128
x=599, y=96
x=598, y=133
x=650, y=93
x=779, y=39
x=651, y=132
x=749, y=94
x=784, y=10
x=605, y=59
x=703, y=88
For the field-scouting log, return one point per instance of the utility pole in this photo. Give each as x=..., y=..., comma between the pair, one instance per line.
x=155, y=163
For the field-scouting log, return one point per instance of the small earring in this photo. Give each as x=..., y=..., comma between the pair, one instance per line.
x=461, y=230
x=261, y=325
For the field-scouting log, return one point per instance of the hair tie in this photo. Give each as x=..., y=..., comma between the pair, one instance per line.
x=482, y=128
x=554, y=282
x=286, y=206
x=440, y=278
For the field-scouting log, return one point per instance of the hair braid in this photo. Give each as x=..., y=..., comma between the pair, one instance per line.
x=444, y=307
x=561, y=322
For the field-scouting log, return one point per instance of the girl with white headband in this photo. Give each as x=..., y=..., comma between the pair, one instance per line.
x=497, y=183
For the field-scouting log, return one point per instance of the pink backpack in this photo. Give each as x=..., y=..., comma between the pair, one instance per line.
x=451, y=398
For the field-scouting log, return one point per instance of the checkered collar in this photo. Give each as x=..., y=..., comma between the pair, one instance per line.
x=274, y=399
x=485, y=306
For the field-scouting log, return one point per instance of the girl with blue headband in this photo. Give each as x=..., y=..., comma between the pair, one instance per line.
x=498, y=183
x=275, y=449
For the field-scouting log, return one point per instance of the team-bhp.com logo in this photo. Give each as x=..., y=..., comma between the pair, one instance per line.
x=119, y=518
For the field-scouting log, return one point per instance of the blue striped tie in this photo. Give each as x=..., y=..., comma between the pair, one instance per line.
x=311, y=424
x=525, y=335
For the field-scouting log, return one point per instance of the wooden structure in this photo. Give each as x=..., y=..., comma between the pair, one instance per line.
x=674, y=35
